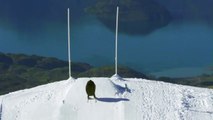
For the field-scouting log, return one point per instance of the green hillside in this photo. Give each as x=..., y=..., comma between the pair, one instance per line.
x=19, y=71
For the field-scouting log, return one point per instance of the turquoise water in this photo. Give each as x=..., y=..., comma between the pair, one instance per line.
x=183, y=72
x=177, y=46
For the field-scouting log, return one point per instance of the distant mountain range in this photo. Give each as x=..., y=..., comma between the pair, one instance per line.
x=19, y=71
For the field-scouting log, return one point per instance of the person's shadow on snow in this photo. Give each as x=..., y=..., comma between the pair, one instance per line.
x=112, y=99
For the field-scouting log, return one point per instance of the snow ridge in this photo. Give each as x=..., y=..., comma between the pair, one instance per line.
x=116, y=100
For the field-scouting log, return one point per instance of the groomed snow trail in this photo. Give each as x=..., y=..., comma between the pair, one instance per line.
x=106, y=105
x=141, y=100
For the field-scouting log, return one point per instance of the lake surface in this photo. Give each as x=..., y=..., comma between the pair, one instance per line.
x=177, y=47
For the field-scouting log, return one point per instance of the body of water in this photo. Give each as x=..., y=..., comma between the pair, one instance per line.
x=185, y=45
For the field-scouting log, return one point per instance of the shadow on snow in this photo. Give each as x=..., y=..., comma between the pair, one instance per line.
x=112, y=99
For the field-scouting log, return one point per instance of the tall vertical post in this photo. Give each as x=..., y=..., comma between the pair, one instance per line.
x=69, y=53
x=116, y=42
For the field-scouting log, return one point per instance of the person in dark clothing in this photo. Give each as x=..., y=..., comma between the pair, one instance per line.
x=90, y=89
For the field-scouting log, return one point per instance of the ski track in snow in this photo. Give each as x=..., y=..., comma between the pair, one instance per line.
x=196, y=103
x=67, y=89
x=78, y=104
x=143, y=100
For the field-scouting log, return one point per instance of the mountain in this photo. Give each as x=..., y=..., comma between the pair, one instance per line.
x=108, y=71
x=117, y=99
x=204, y=80
x=20, y=71
x=137, y=17
x=24, y=15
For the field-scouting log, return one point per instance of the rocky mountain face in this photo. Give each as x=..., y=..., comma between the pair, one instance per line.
x=136, y=16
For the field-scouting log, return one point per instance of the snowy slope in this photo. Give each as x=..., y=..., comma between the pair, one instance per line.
x=0, y=106
x=141, y=100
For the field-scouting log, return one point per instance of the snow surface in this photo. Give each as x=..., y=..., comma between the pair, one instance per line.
x=123, y=99
x=0, y=106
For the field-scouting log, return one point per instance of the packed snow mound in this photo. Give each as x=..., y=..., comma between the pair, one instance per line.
x=124, y=99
